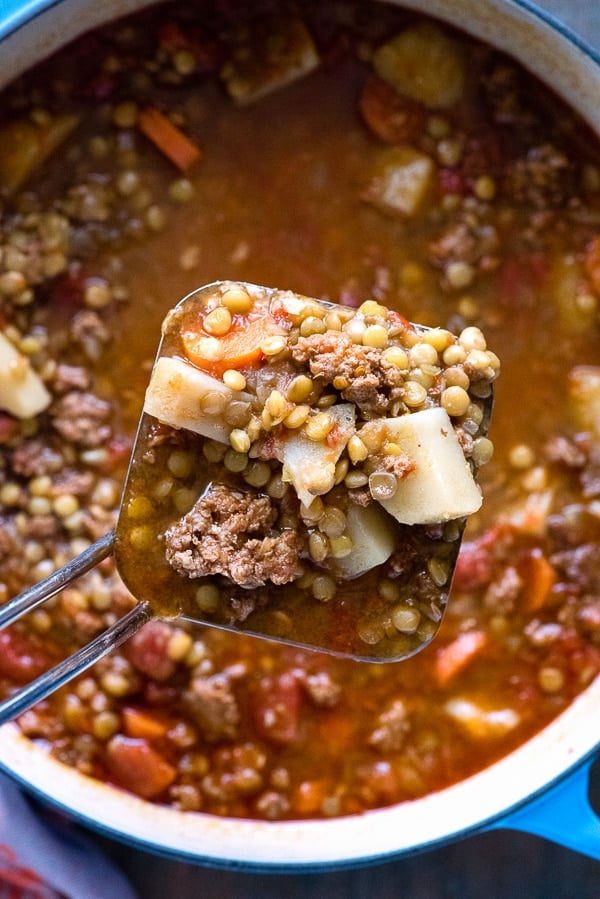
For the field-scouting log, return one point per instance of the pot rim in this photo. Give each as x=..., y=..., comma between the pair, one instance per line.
x=463, y=809
x=472, y=804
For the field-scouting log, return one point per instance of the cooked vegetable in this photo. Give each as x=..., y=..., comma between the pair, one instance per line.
x=281, y=54
x=401, y=181
x=440, y=485
x=245, y=344
x=584, y=394
x=309, y=465
x=22, y=391
x=168, y=138
x=185, y=397
x=372, y=541
x=25, y=145
x=425, y=64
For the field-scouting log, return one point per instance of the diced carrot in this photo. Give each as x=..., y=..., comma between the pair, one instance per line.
x=450, y=660
x=308, y=797
x=241, y=346
x=138, y=723
x=136, y=766
x=168, y=138
x=540, y=577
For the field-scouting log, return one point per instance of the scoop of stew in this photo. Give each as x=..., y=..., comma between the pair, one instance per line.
x=304, y=470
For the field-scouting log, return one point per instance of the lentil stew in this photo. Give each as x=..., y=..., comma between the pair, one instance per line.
x=291, y=145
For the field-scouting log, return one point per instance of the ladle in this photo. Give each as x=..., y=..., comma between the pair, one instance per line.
x=364, y=618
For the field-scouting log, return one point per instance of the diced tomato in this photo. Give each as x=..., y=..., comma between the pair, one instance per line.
x=119, y=451
x=9, y=427
x=147, y=651
x=450, y=181
x=474, y=566
x=21, y=656
x=276, y=708
x=391, y=117
x=138, y=767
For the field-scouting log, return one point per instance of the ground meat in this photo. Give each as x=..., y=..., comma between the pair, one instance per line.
x=216, y=537
x=73, y=482
x=581, y=566
x=322, y=689
x=559, y=449
x=82, y=418
x=590, y=476
x=399, y=465
x=501, y=595
x=36, y=457
x=88, y=329
x=392, y=728
x=359, y=372
x=43, y=527
x=212, y=705
x=464, y=242
x=70, y=377
x=541, y=179
x=361, y=496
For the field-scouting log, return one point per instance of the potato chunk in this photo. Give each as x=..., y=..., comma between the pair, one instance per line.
x=310, y=465
x=373, y=540
x=401, y=181
x=269, y=59
x=182, y=396
x=441, y=486
x=22, y=391
x=423, y=63
x=584, y=395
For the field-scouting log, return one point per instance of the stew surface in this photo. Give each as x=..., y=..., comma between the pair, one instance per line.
x=297, y=148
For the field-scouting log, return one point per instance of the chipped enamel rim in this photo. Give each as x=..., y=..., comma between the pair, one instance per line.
x=32, y=30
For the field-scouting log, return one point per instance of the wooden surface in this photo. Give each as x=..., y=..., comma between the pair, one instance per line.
x=502, y=865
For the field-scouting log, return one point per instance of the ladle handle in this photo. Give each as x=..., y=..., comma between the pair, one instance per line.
x=34, y=596
x=23, y=699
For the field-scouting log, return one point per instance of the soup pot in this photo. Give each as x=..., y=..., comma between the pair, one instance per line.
x=542, y=786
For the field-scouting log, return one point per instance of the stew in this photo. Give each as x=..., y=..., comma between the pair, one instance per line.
x=294, y=455
x=348, y=151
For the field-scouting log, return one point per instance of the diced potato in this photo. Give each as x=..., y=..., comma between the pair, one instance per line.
x=22, y=391
x=401, y=181
x=372, y=535
x=310, y=465
x=584, y=396
x=425, y=64
x=441, y=486
x=479, y=722
x=269, y=59
x=577, y=310
x=24, y=146
x=176, y=394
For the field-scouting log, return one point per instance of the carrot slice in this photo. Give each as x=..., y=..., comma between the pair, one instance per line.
x=451, y=659
x=540, y=578
x=168, y=138
x=241, y=346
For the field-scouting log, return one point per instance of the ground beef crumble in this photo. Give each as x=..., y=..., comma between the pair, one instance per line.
x=372, y=383
x=82, y=418
x=217, y=537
